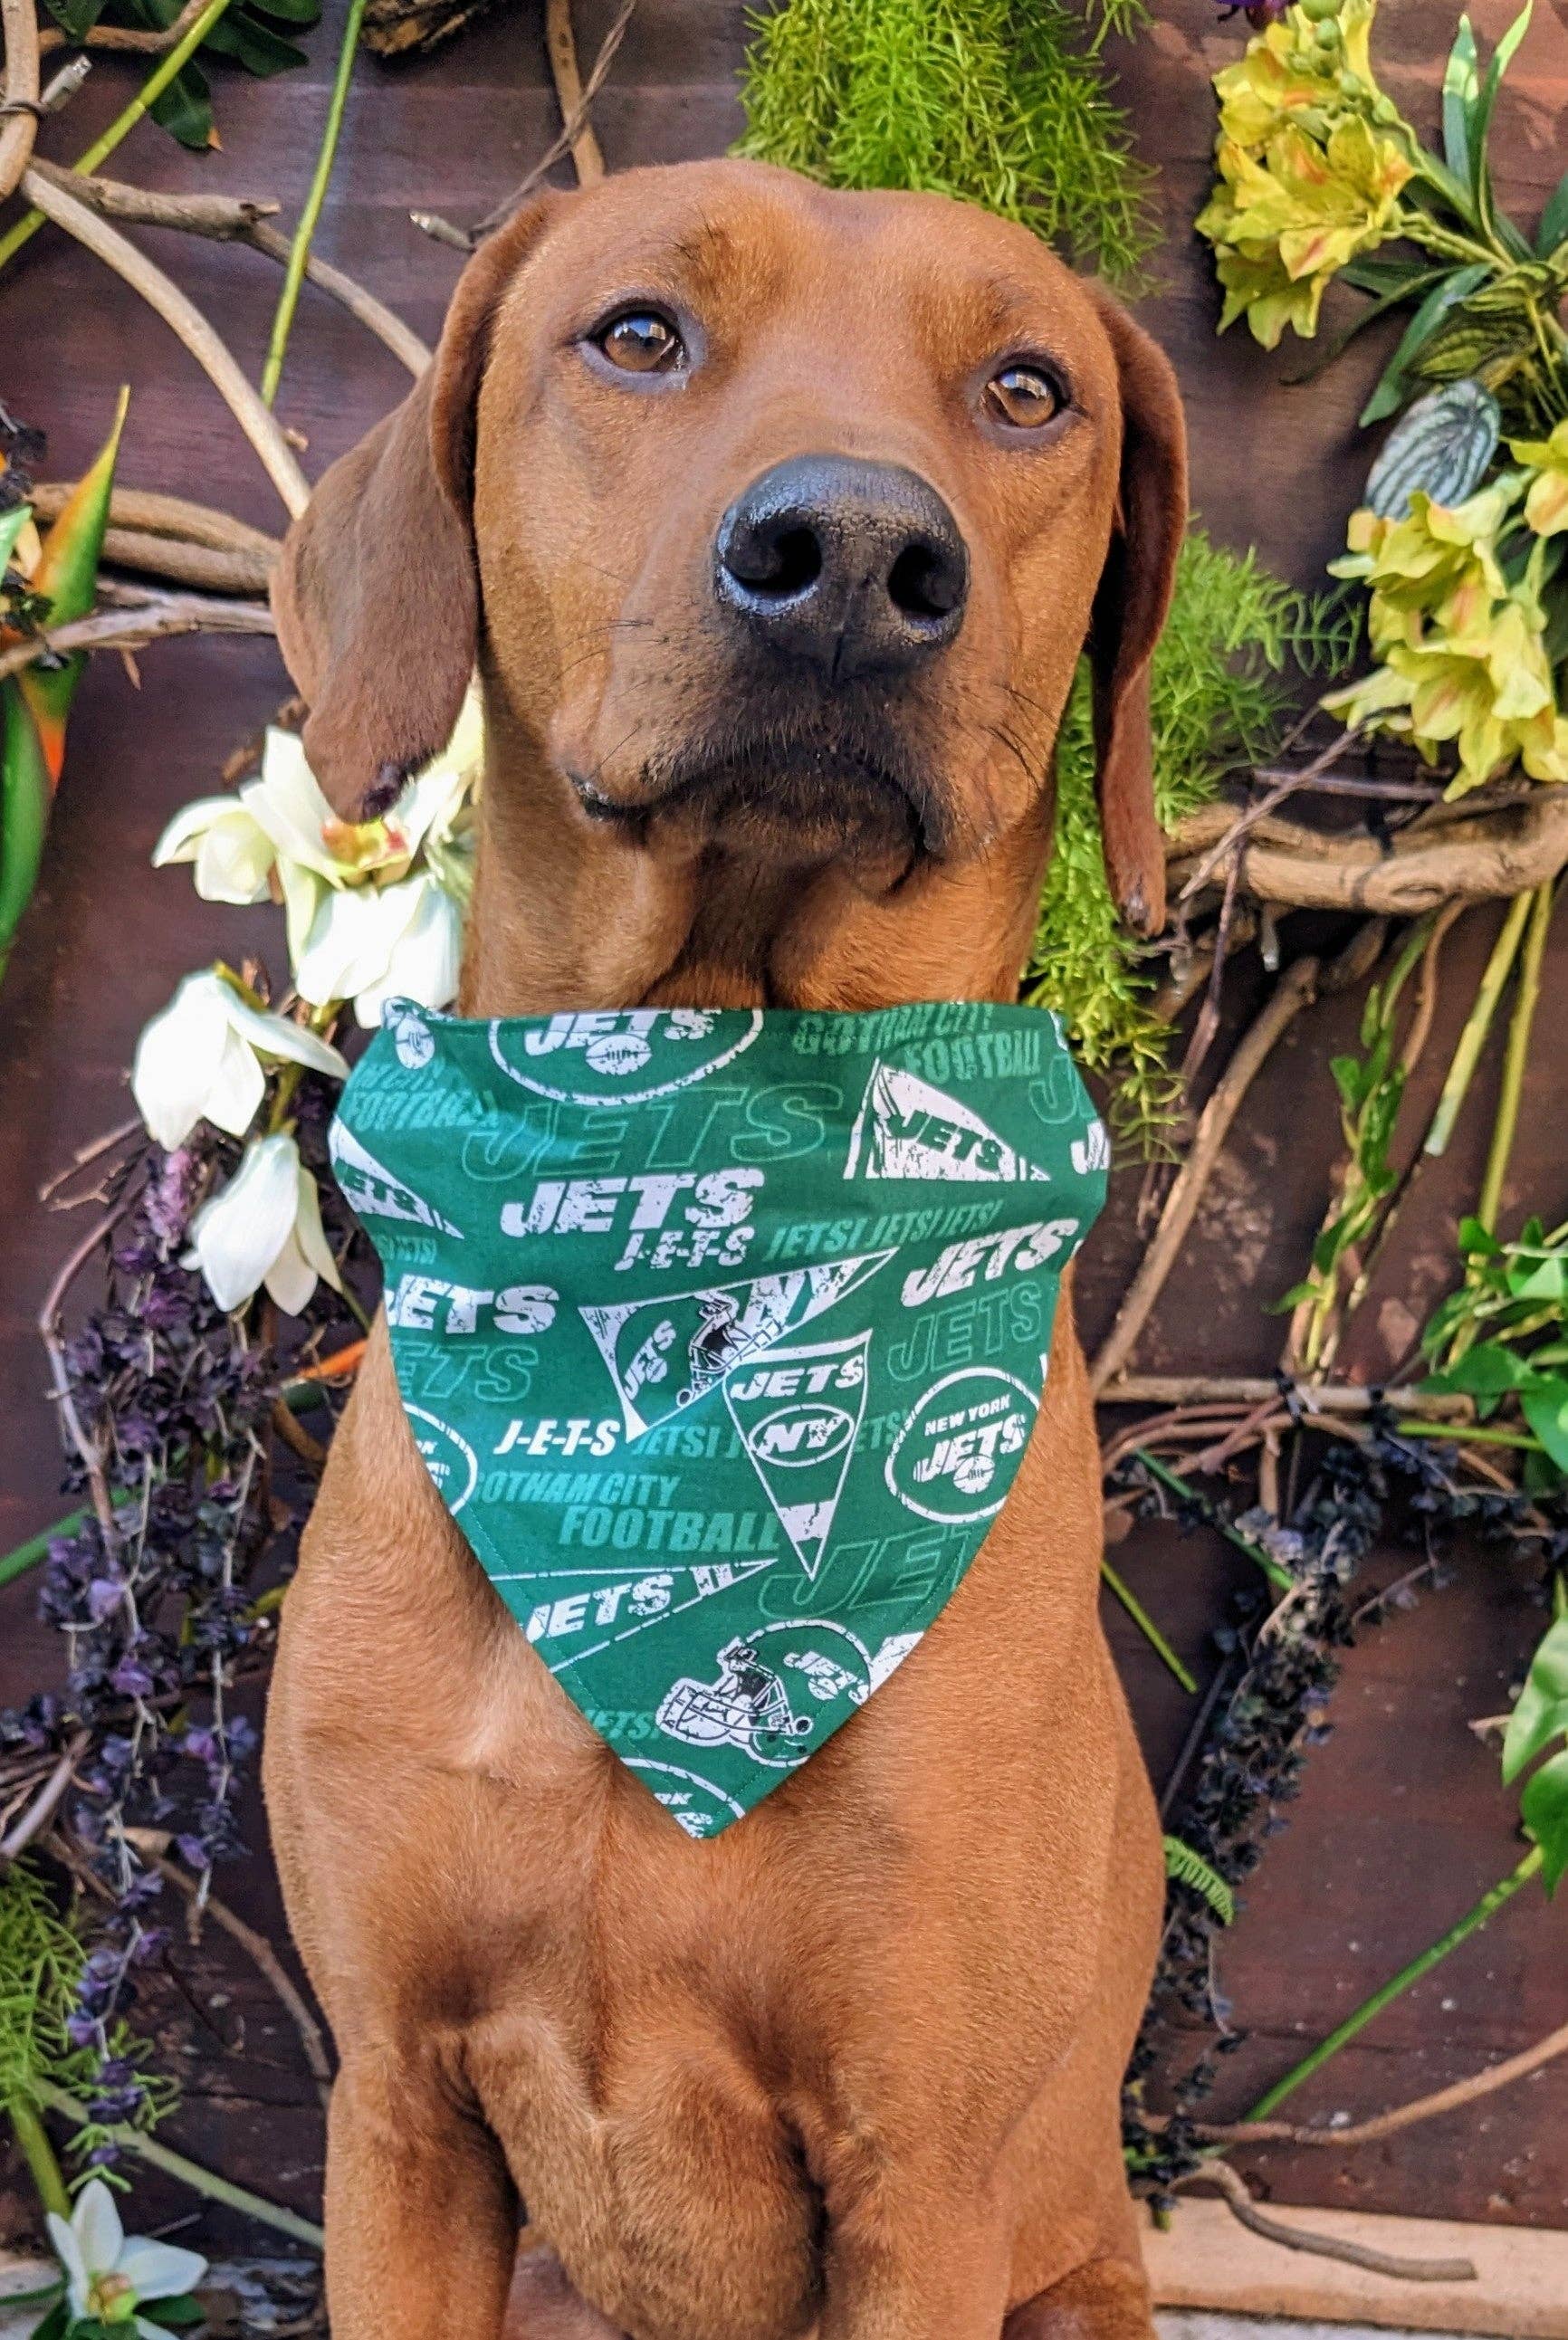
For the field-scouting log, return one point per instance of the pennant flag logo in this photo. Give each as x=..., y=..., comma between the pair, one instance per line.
x=372, y=1190
x=665, y=1355
x=797, y=1412
x=908, y=1129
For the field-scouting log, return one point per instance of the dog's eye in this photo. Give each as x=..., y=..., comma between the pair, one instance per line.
x=641, y=342
x=1023, y=395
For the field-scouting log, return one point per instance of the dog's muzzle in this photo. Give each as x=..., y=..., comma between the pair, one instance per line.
x=847, y=567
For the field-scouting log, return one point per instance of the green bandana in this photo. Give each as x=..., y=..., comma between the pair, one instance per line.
x=721, y=1333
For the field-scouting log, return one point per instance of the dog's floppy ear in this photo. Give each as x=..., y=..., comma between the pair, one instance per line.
x=376, y=595
x=1130, y=606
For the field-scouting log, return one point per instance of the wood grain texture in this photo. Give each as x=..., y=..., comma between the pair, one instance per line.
x=1401, y=1823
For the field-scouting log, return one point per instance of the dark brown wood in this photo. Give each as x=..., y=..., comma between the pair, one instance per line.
x=1401, y=1822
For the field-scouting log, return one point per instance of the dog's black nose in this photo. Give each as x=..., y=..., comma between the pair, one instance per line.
x=855, y=568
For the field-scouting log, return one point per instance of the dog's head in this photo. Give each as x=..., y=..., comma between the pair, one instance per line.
x=776, y=513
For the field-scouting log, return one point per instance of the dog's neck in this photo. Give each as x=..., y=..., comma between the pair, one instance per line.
x=573, y=914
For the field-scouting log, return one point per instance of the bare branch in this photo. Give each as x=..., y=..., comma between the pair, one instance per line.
x=107, y=244
x=19, y=108
x=150, y=621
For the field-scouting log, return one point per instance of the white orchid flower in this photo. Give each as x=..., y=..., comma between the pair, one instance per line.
x=233, y=854
x=109, y=2273
x=373, y=942
x=264, y=1227
x=198, y=1059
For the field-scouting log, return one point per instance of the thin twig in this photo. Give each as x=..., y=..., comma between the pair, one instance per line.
x=181, y=316
x=467, y=239
x=45, y=1804
x=154, y=619
x=1247, y=819
x=88, y=1449
x=265, y=1959
x=19, y=118
x=1291, y=995
x=121, y=36
x=1298, y=985
x=1422, y=2108
x=560, y=44
x=243, y=218
x=1322, y=2246
x=152, y=89
x=1246, y=1390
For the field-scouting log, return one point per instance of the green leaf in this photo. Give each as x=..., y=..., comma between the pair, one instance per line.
x=1409, y=282
x=23, y=809
x=55, y=2325
x=1541, y=1713
x=1545, y=1406
x=12, y=524
x=184, y=110
x=1294, y=1298
x=1481, y=113
x=1391, y=389
x=1476, y=1238
x=1554, y=228
x=1190, y=1867
x=179, y=2315
x=254, y=45
x=1543, y=1807
x=76, y=18
x=1543, y=1279
x=1460, y=87
x=1485, y=1371
x=68, y=577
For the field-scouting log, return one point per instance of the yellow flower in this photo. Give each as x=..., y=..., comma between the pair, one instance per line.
x=1546, y=503
x=1462, y=651
x=1310, y=170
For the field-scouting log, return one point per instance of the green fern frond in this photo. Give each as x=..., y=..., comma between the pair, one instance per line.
x=1004, y=102
x=1221, y=696
x=1190, y=1867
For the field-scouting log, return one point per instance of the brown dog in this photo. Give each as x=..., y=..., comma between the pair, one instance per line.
x=776, y=519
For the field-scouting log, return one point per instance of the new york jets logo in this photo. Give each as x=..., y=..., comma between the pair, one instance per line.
x=621, y=1056
x=450, y=1460
x=797, y=1435
x=956, y=1457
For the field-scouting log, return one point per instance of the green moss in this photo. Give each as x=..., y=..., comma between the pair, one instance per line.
x=41, y=1962
x=1221, y=698
x=1004, y=102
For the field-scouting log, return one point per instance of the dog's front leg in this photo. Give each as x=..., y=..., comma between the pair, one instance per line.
x=421, y=2213
x=914, y=2259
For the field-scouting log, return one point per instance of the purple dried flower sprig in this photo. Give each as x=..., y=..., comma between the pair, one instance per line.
x=154, y=1592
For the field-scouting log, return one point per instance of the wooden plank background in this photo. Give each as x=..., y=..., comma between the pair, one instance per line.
x=1401, y=1822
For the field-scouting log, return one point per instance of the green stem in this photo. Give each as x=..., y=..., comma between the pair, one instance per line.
x=27, y=1555
x=1471, y=1923
x=152, y=89
x=1513, y=1062
x=39, y=2155
x=1473, y=1039
x=1148, y=1627
x=1271, y=1567
x=192, y=2174
x=299, y=249
x=1470, y=1434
